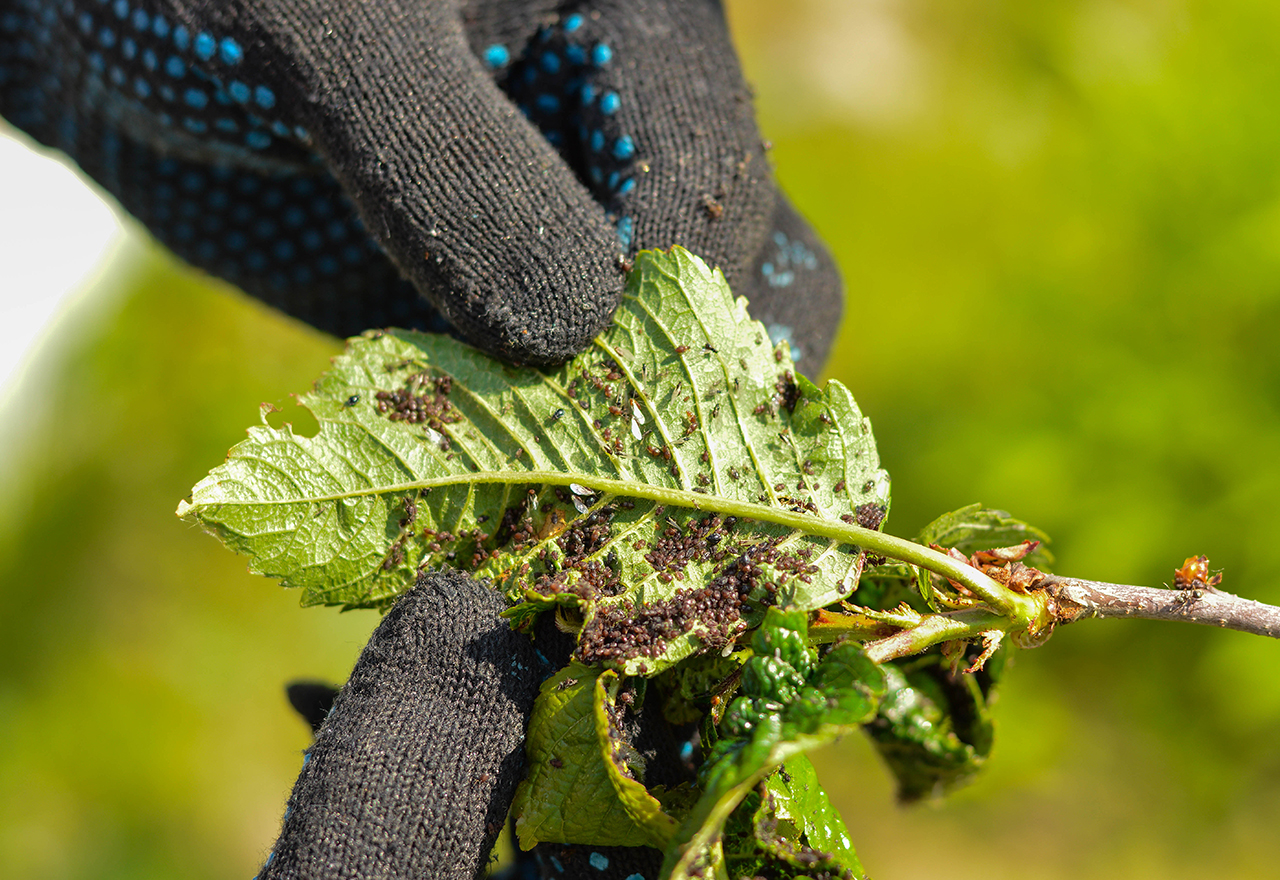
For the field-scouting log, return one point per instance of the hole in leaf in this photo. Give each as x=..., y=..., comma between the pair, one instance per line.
x=302, y=421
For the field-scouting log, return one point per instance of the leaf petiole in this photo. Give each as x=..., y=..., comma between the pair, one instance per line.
x=935, y=628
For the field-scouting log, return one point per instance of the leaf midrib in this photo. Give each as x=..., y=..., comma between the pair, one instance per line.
x=802, y=522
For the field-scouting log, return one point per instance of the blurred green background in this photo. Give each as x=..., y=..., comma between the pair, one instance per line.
x=1059, y=225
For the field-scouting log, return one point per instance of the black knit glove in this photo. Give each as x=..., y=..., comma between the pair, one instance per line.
x=413, y=771
x=415, y=765
x=503, y=157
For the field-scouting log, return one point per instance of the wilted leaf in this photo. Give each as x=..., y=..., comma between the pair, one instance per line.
x=934, y=729
x=567, y=796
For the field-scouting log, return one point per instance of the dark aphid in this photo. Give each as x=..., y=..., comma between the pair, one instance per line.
x=708, y=347
x=557, y=415
x=352, y=400
x=681, y=349
x=869, y=516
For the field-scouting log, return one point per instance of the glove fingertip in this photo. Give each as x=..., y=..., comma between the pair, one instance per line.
x=312, y=700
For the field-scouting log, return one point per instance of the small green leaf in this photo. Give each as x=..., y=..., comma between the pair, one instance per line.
x=973, y=528
x=760, y=733
x=933, y=729
x=798, y=799
x=786, y=828
x=567, y=795
x=644, y=810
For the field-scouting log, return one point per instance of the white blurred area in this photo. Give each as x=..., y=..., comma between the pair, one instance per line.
x=58, y=242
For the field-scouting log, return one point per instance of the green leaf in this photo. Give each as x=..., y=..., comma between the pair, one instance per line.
x=659, y=494
x=568, y=795
x=933, y=729
x=973, y=528
x=658, y=491
x=797, y=799
x=644, y=810
x=762, y=731
x=787, y=828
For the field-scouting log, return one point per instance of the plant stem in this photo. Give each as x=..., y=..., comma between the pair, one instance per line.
x=1073, y=599
x=935, y=628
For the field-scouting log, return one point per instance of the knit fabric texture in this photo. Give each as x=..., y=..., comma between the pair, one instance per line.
x=502, y=159
x=413, y=771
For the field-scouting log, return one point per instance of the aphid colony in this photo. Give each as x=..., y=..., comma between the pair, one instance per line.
x=566, y=539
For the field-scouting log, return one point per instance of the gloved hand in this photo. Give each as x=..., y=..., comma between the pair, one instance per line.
x=502, y=159
x=317, y=154
x=415, y=765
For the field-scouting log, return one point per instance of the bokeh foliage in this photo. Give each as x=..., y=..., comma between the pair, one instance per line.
x=1059, y=225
